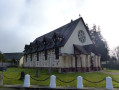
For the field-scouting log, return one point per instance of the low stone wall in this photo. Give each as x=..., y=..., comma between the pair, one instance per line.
x=78, y=69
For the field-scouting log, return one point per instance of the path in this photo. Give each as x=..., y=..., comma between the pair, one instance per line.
x=34, y=87
x=115, y=73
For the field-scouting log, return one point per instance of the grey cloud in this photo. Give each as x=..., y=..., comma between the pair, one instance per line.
x=9, y=12
x=21, y=21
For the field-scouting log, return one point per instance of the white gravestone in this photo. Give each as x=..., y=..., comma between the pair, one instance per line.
x=27, y=81
x=53, y=81
x=79, y=82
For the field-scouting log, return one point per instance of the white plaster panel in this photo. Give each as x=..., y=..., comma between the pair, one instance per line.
x=78, y=61
x=89, y=61
x=68, y=47
x=83, y=58
x=63, y=61
x=94, y=61
x=73, y=61
x=99, y=61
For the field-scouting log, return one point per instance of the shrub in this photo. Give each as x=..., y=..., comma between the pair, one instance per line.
x=111, y=65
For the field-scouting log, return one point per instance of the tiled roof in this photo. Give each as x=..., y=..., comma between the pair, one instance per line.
x=81, y=49
x=87, y=49
x=64, y=31
x=10, y=56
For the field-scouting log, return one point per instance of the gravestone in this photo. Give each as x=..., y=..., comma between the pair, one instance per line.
x=1, y=79
x=22, y=75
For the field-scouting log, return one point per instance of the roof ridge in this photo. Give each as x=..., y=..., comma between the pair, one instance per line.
x=55, y=30
x=65, y=31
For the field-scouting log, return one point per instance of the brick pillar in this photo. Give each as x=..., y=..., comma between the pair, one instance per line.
x=88, y=63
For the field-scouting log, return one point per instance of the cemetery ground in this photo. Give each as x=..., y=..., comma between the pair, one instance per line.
x=12, y=75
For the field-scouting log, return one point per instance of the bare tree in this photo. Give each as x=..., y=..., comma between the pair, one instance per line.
x=116, y=52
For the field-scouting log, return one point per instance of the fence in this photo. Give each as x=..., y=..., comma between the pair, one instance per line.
x=79, y=79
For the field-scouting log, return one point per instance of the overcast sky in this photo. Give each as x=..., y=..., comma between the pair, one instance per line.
x=21, y=21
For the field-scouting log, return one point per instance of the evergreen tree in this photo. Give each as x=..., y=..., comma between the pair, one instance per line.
x=100, y=43
x=2, y=58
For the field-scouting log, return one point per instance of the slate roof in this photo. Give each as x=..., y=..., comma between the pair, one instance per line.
x=81, y=49
x=64, y=31
x=87, y=49
x=10, y=56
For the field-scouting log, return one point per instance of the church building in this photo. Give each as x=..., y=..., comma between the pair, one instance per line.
x=67, y=49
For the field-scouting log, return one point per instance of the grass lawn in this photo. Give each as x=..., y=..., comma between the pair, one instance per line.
x=110, y=70
x=92, y=76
